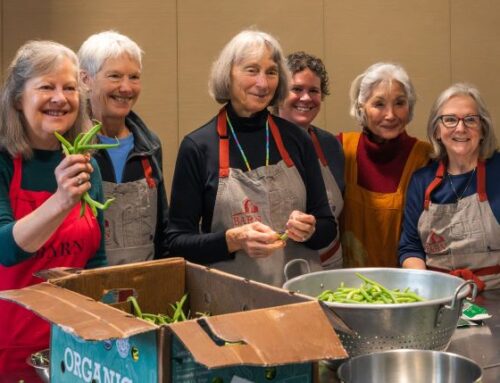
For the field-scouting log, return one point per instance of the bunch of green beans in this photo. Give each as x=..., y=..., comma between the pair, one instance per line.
x=162, y=319
x=370, y=292
x=82, y=145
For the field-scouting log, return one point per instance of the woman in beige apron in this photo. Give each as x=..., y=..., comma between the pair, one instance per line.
x=136, y=222
x=247, y=194
x=307, y=89
x=453, y=208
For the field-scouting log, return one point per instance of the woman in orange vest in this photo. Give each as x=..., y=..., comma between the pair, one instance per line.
x=379, y=161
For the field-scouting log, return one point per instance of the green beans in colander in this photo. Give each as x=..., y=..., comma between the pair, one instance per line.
x=370, y=292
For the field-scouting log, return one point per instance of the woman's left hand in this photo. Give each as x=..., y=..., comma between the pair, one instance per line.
x=300, y=226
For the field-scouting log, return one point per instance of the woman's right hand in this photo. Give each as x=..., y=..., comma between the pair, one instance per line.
x=255, y=239
x=72, y=176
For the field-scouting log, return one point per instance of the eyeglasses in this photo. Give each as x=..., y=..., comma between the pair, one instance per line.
x=451, y=121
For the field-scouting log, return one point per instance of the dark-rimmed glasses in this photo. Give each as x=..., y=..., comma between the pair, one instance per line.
x=451, y=121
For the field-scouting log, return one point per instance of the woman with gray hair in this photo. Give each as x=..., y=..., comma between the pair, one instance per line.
x=136, y=222
x=378, y=164
x=246, y=181
x=452, y=213
x=40, y=189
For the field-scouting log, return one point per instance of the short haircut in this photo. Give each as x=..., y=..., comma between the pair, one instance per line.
x=298, y=61
x=363, y=85
x=488, y=145
x=104, y=45
x=248, y=43
x=33, y=59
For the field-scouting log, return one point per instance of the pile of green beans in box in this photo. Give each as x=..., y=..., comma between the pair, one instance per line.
x=160, y=319
x=370, y=292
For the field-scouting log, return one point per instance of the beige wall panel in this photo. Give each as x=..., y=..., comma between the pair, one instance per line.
x=153, y=27
x=475, y=49
x=206, y=26
x=1, y=41
x=359, y=33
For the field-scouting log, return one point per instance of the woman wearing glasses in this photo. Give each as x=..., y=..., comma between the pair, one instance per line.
x=452, y=214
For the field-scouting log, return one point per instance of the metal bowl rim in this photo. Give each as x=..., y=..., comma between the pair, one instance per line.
x=410, y=351
x=391, y=306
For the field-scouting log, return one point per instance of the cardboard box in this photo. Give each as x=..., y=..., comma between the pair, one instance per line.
x=255, y=332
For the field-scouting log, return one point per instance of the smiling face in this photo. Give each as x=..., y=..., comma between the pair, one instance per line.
x=461, y=143
x=50, y=104
x=387, y=111
x=303, y=102
x=115, y=88
x=254, y=81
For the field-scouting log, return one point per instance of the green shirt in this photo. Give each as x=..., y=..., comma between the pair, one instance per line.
x=38, y=175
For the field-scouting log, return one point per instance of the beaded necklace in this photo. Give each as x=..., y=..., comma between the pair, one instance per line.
x=469, y=181
x=243, y=155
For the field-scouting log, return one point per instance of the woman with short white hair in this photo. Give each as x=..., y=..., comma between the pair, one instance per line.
x=246, y=181
x=111, y=66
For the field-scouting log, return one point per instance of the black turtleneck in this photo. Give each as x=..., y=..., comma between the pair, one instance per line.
x=196, y=178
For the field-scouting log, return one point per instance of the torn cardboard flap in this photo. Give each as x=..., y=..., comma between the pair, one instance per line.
x=77, y=314
x=274, y=336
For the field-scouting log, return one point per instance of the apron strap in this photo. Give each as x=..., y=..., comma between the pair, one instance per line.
x=434, y=184
x=330, y=252
x=317, y=146
x=279, y=143
x=223, y=144
x=481, y=181
x=148, y=172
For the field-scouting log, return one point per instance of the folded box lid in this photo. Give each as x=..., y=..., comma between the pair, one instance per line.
x=293, y=333
x=76, y=313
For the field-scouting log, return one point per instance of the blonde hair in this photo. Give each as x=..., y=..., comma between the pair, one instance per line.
x=33, y=59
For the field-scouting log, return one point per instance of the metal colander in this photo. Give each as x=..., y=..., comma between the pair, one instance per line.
x=426, y=325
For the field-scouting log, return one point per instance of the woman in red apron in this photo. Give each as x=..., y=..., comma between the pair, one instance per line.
x=379, y=162
x=40, y=190
x=308, y=87
x=452, y=216
x=246, y=176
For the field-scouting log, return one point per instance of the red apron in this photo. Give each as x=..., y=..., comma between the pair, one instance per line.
x=72, y=245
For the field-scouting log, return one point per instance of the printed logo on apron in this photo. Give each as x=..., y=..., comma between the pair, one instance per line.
x=249, y=214
x=435, y=243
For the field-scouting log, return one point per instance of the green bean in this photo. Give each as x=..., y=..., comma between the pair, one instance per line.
x=82, y=145
x=370, y=292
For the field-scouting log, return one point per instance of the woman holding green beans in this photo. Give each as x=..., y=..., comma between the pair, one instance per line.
x=41, y=189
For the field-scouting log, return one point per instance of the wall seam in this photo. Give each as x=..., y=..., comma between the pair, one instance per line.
x=178, y=71
x=451, y=38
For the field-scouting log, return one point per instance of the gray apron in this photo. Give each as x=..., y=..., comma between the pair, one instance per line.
x=330, y=256
x=130, y=221
x=267, y=194
x=462, y=235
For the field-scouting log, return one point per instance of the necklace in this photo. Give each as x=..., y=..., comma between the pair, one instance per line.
x=243, y=155
x=469, y=181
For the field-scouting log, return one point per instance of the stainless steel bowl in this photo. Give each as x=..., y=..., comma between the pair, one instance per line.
x=426, y=325
x=405, y=366
x=41, y=363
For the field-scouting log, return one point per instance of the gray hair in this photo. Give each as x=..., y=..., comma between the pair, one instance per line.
x=248, y=43
x=104, y=45
x=488, y=144
x=363, y=85
x=33, y=59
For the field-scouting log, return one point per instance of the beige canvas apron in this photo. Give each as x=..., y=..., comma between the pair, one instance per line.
x=267, y=194
x=462, y=235
x=130, y=221
x=331, y=256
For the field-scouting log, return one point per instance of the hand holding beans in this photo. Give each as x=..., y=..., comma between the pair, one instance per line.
x=255, y=239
